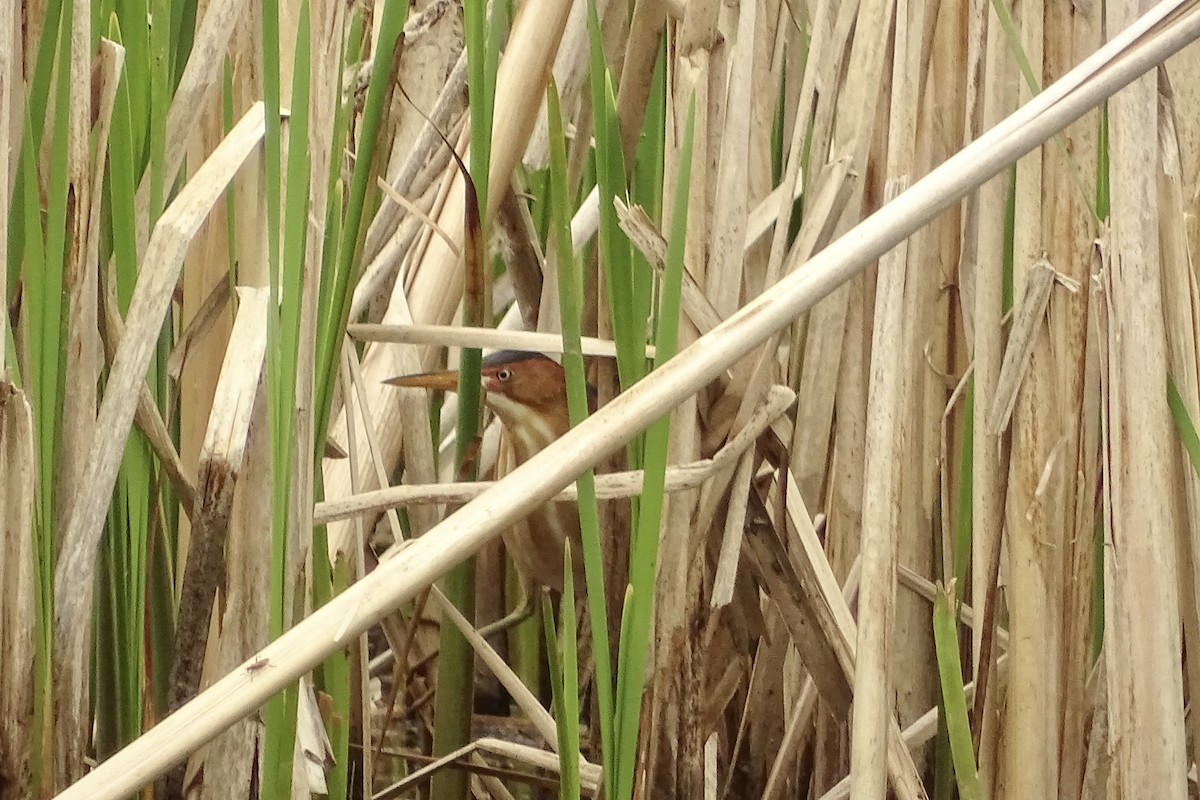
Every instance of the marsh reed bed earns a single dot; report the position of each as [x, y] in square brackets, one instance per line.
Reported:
[890, 307]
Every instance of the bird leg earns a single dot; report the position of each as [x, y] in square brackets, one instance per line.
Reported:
[522, 612]
[518, 615]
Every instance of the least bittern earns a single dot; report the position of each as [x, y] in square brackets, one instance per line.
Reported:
[528, 392]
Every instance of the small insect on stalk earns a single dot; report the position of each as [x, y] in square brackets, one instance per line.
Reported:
[257, 665]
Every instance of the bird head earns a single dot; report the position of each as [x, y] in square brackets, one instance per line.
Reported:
[526, 390]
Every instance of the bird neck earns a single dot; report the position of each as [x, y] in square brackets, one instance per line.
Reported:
[530, 429]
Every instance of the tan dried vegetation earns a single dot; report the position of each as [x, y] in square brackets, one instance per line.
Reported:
[984, 405]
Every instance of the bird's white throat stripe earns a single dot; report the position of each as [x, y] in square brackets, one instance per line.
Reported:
[531, 432]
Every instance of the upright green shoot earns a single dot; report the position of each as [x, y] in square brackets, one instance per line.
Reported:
[954, 700]
[616, 254]
[570, 294]
[40, 245]
[564, 681]
[963, 531]
[287, 205]
[456, 673]
[635, 623]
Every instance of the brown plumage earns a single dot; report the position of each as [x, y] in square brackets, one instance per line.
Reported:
[528, 392]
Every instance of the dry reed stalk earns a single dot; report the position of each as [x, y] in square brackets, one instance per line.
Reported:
[206, 263]
[489, 338]
[957, 41]
[419, 463]
[843, 504]
[222, 457]
[570, 76]
[1142, 620]
[982, 277]
[651, 243]
[852, 133]
[313, 751]
[1186, 99]
[1180, 313]
[914, 736]
[17, 470]
[646, 27]
[250, 222]
[772, 23]
[409, 238]
[197, 327]
[229, 760]
[434, 83]
[1186, 102]
[677, 653]
[1069, 231]
[802, 712]
[442, 107]
[829, 611]
[820, 352]
[810, 371]
[777, 206]
[206, 266]
[674, 745]
[417, 565]
[761, 727]
[743, 210]
[237, 228]
[937, 360]
[353, 564]
[918, 733]
[16, 473]
[919, 409]
[82, 356]
[590, 774]
[220, 468]
[1034, 569]
[885, 443]
[731, 201]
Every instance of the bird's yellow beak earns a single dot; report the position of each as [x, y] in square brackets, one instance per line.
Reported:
[436, 381]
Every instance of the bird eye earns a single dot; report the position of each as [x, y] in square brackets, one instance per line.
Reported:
[504, 374]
